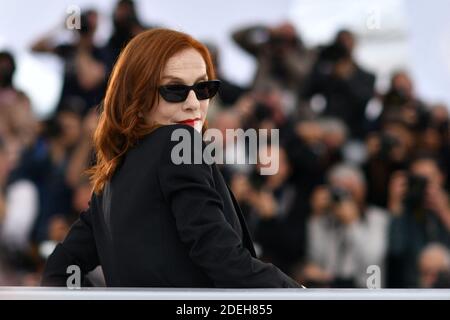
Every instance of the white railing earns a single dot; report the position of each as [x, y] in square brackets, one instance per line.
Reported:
[32, 293]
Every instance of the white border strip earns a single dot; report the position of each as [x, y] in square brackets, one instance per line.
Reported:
[36, 293]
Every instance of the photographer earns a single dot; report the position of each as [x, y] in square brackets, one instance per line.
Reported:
[345, 235]
[344, 85]
[275, 211]
[388, 150]
[420, 212]
[282, 58]
[126, 25]
[433, 137]
[313, 147]
[84, 64]
[401, 102]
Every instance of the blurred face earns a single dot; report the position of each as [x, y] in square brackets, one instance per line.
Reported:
[71, 126]
[334, 139]
[309, 131]
[402, 83]
[431, 140]
[123, 13]
[93, 21]
[430, 264]
[440, 114]
[352, 185]
[428, 170]
[405, 141]
[347, 40]
[186, 67]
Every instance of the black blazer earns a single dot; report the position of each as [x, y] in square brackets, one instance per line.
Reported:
[158, 224]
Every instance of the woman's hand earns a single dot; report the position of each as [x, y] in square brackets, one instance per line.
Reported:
[241, 187]
[264, 203]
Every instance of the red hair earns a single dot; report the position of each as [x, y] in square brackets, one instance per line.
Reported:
[132, 90]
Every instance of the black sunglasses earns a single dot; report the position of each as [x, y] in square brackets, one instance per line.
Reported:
[179, 92]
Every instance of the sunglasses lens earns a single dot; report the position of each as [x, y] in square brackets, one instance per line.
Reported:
[206, 89]
[179, 92]
[174, 93]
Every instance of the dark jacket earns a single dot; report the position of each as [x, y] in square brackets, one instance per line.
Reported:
[159, 224]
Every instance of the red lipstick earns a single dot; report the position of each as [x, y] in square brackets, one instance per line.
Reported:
[190, 122]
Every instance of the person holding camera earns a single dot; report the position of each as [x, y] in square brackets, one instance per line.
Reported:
[401, 102]
[282, 59]
[420, 210]
[343, 83]
[388, 151]
[345, 235]
[278, 216]
[84, 79]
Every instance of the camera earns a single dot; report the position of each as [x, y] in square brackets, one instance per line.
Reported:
[387, 143]
[415, 196]
[277, 40]
[334, 53]
[338, 194]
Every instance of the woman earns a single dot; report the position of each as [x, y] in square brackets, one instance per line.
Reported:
[152, 223]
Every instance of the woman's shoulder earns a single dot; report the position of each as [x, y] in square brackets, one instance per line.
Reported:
[170, 132]
[165, 138]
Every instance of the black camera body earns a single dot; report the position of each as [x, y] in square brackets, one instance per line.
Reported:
[415, 196]
[387, 143]
[334, 53]
[338, 194]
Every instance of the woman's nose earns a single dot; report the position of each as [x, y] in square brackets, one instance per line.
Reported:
[191, 101]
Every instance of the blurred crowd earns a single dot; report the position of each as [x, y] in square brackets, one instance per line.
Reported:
[354, 188]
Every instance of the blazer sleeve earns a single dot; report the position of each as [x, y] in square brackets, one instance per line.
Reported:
[78, 248]
[198, 211]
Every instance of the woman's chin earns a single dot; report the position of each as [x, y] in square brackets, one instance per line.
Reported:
[198, 126]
